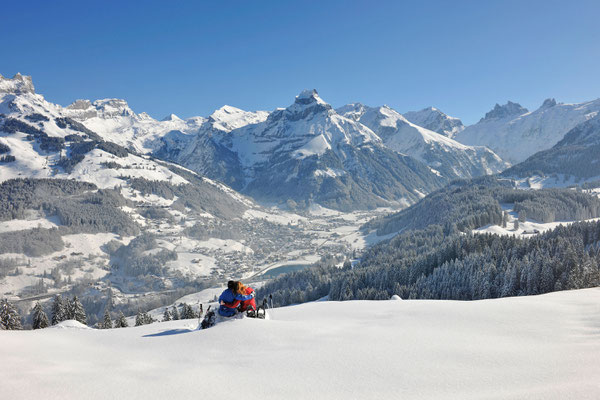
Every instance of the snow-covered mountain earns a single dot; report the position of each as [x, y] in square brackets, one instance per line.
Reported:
[202, 150]
[47, 141]
[91, 215]
[577, 155]
[515, 133]
[446, 156]
[79, 191]
[435, 120]
[306, 152]
[116, 122]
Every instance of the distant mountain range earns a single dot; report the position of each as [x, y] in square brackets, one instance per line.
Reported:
[306, 152]
[515, 133]
[353, 157]
[39, 139]
[447, 157]
[577, 155]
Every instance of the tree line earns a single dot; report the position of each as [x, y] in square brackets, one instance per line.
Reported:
[428, 264]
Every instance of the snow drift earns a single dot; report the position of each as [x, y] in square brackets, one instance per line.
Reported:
[539, 347]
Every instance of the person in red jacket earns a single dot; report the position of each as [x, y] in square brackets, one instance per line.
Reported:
[230, 300]
[245, 305]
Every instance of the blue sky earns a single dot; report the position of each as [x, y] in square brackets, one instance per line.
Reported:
[190, 58]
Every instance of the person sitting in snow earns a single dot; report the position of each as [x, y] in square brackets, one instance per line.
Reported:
[246, 305]
[230, 300]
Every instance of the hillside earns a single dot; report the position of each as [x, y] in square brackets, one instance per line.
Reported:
[537, 347]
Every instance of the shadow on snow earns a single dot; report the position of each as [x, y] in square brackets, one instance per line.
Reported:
[170, 332]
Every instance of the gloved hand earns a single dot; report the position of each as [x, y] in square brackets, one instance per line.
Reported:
[253, 294]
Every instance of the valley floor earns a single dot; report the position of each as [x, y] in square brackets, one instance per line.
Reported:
[539, 347]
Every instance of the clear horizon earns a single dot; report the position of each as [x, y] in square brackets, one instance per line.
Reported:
[191, 58]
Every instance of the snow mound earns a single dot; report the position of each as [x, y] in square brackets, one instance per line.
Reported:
[71, 324]
[396, 297]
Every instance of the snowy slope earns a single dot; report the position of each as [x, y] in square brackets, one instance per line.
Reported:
[435, 120]
[515, 133]
[539, 347]
[446, 156]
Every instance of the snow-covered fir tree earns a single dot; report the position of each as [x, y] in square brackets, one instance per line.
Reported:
[121, 322]
[106, 321]
[143, 318]
[175, 314]
[76, 311]
[139, 319]
[59, 310]
[166, 315]
[40, 319]
[9, 316]
[188, 312]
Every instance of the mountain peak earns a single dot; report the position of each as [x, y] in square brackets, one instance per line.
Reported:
[353, 111]
[170, 117]
[110, 108]
[80, 104]
[308, 96]
[306, 103]
[509, 109]
[548, 103]
[435, 120]
[18, 84]
[228, 118]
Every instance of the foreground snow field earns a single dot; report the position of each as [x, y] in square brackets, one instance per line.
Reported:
[539, 347]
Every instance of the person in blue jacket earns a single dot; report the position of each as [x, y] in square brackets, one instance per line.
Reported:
[230, 300]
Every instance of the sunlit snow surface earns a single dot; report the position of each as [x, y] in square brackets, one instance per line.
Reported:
[542, 347]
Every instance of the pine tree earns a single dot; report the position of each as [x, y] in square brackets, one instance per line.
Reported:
[76, 311]
[139, 319]
[516, 224]
[9, 316]
[175, 314]
[106, 322]
[143, 318]
[68, 309]
[59, 312]
[522, 216]
[188, 312]
[121, 322]
[147, 318]
[166, 315]
[504, 219]
[40, 319]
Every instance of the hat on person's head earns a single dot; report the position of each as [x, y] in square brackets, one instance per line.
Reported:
[231, 285]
